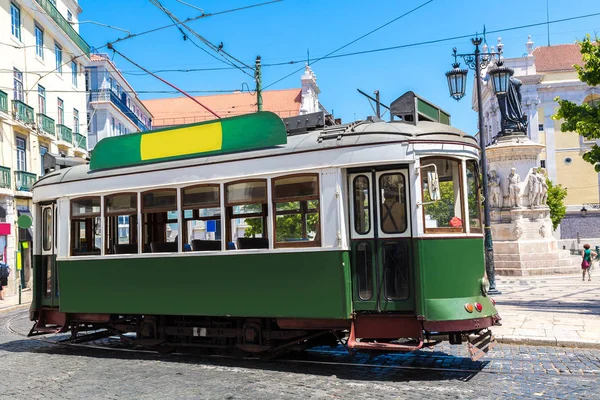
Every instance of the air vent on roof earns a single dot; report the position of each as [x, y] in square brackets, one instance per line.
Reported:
[304, 123]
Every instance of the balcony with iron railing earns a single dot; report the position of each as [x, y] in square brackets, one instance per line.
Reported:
[80, 141]
[24, 181]
[22, 112]
[107, 95]
[65, 134]
[3, 102]
[46, 124]
[51, 10]
[4, 178]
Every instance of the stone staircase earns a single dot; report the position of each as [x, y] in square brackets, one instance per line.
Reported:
[528, 264]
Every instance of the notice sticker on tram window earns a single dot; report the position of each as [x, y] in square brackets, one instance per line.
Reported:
[198, 331]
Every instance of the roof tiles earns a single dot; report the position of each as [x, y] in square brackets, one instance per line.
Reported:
[557, 58]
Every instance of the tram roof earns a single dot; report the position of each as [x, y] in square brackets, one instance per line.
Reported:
[360, 133]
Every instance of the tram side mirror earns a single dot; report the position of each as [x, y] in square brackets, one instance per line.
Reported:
[433, 185]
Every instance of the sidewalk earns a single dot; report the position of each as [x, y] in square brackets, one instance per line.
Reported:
[549, 310]
[11, 303]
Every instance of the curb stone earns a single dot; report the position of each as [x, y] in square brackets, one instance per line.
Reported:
[14, 308]
[545, 341]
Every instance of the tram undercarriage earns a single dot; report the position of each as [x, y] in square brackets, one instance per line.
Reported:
[269, 337]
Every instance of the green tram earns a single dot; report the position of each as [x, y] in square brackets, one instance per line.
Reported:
[244, 233]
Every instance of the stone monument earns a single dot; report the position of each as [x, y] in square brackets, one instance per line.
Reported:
[520, 219]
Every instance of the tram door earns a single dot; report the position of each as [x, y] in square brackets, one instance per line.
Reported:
[49, 281]
[382, 272]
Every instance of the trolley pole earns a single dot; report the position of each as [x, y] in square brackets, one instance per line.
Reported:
[378, 104]
[258, 78]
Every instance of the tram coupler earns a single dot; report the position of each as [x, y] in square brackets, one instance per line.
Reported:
[480, 344]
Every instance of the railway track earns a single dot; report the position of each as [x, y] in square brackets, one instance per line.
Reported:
[332, 358]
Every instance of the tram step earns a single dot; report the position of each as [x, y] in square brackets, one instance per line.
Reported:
[480, 345]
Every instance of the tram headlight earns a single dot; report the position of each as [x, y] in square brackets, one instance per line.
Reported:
[485, 286]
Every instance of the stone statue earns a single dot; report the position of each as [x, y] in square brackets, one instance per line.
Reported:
[495, 190]
[513, 120]
[535, 189]
[544, 190]
[513, 188]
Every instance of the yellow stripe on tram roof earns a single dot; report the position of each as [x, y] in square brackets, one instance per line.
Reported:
[183, 141]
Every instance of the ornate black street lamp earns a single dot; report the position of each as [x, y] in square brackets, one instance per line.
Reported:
[457, 79]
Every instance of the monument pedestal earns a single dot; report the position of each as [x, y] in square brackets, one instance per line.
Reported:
[521, 232]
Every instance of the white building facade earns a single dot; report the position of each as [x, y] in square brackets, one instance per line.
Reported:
[42, 109]
[114, 107]
[547, 72]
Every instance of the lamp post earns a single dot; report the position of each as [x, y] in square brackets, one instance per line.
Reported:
[457, 79]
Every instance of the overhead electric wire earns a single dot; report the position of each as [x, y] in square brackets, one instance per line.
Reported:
[354, 41]
[164, 81]
[402, 46]
[219, 50]
[130, 36]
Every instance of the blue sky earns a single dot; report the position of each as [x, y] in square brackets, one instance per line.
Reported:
[284, 31]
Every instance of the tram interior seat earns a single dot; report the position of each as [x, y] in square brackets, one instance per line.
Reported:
[125, 248]
[163, 247]
[206, 245]
[252, 243]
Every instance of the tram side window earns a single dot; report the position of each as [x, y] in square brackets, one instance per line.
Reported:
[446, 214]
[246, 208]
[159, 215]
[201, 218]
[393, 203]
[47, 229]
[296, 205]
[86, 235]
[474, 201]
[362, 210]
[121, 223]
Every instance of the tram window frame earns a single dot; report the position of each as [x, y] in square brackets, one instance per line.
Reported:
[459, 184]
[368, 207]
[477, 183]
[111, 218]
[47, 229]
[194, 207]
[162, 215]
[92, 227]
[303, 210]
[401, 200]
[231, 215]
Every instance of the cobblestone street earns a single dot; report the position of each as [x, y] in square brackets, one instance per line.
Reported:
[34, 369]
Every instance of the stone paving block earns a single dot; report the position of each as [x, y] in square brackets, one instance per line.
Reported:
[589, 335]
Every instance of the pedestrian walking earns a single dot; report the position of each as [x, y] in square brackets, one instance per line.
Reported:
[586, 262]
[4, 273]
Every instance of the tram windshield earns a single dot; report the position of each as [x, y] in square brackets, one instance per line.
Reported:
[446, 214]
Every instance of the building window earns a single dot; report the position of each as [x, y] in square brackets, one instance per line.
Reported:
[74, 73]
[69, 15]
[61, 112]
[15, 17]
[43, 150]
[113, 126]
[87, 80]
[21, 154]
[58, 54]
[41, 99]
[543, 163]
[568, 160]
[75, 120]
[88, 122]
[53, 2]
[540, 127]
[18, 85]
[39, 42]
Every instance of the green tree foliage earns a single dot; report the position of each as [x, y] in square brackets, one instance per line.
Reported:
[584, 119]
[443, 210]
[556, 202]
[288, 226]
